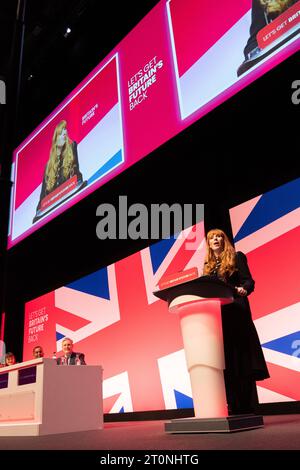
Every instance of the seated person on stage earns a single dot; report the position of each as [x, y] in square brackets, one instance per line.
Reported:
[38, 352]
[70, 357]
[10, 360]
[263, 12]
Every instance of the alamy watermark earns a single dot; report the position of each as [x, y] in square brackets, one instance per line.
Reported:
[2, 92]
[137, 221]
[296, 94]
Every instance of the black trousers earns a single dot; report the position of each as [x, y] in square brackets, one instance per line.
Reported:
[241, 394]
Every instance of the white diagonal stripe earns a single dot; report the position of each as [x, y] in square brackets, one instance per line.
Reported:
[280, 323]
[118, 384]
[281, 359]
[100, 312]
[268, 396]
[152, 279]
[269, 232]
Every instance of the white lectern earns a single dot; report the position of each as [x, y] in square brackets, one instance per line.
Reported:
[39, 397]
[198, 305]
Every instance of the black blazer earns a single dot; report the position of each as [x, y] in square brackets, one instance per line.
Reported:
[243, 352]
[72, 359]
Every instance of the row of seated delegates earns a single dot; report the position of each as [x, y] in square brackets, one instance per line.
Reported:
[69, 356]
[9, 360]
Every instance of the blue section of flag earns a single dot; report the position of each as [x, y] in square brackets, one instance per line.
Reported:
[107, 167]
[122, 410]
[59, 336]
[285, 344]
[94, 284]
[182, 400]
[159, 251]
[271, 206]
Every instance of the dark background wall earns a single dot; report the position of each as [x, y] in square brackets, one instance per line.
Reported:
[245, 147]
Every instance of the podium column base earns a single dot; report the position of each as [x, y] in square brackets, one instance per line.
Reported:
[229, 424]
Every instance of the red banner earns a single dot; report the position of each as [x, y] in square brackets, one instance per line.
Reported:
[59, 192]
[178, 278]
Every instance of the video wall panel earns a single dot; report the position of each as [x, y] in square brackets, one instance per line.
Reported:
[77, 147]
[218, 48]
[182, 60]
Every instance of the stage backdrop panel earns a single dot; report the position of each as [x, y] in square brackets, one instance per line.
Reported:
[267, 229]
[113, 317]
[176, 65]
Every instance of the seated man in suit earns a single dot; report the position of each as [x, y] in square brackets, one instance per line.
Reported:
[70, 357]
[37, 352]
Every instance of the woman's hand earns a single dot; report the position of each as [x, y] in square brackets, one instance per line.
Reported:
[241, 291]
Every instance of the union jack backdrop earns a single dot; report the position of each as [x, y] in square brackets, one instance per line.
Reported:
[267, 229]
[114, 318]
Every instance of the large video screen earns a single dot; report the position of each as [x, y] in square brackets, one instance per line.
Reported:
[267, 229]
[115, 320]
[75, 148]
[182, 60]
[219, 47]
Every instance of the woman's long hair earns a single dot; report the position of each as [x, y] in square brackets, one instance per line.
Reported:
[227, 257]
[67, 157]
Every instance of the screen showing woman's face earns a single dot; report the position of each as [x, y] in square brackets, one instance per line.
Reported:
[61, 139]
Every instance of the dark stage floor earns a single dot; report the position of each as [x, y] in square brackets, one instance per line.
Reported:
[280, 433]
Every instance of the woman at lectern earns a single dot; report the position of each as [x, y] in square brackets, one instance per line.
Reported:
[244, 359]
